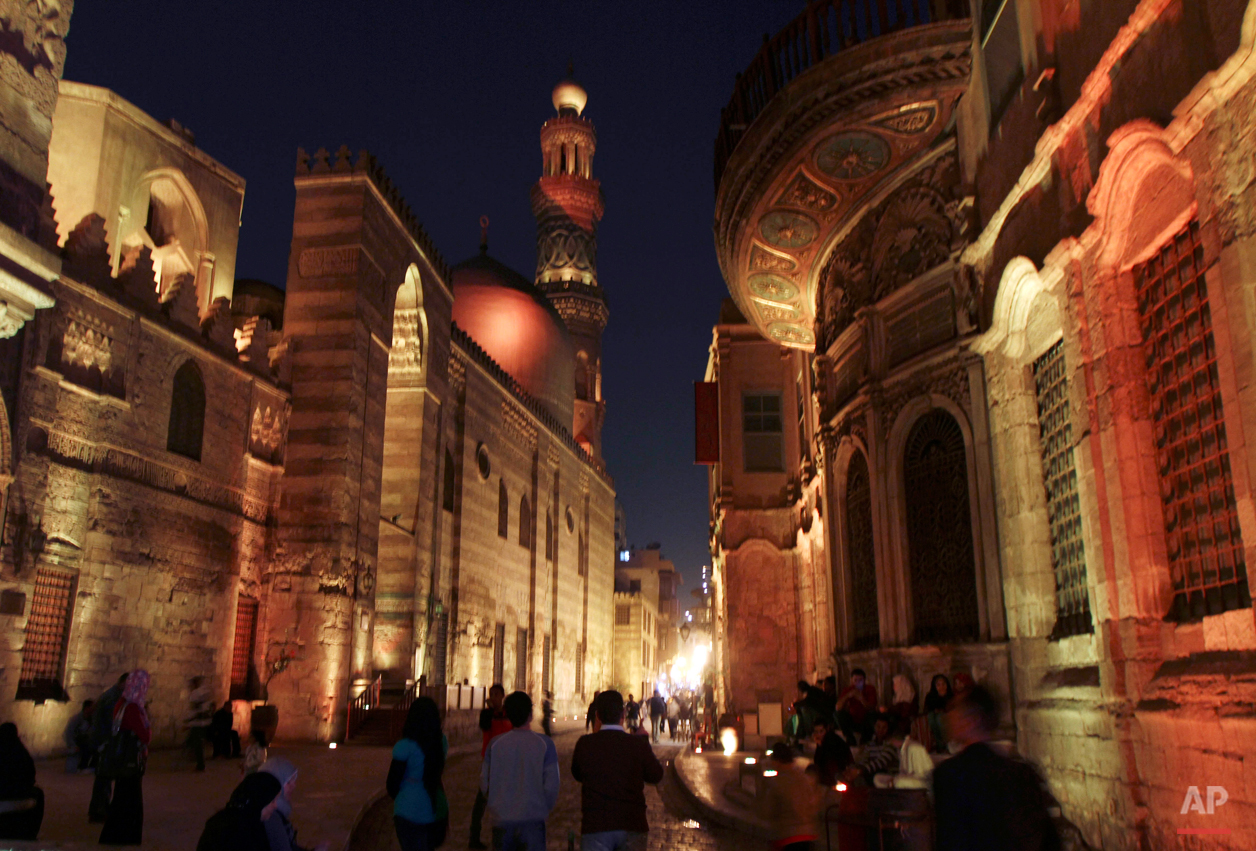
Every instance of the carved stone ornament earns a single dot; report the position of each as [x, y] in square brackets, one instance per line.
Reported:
[843, 290]
[10, 320]
[806, 193]
[912, 237]
[772, 288]
[405, 358]
[566, 248]
[267, 430]
[853, 155]
[949, 379]
[42, 26]
[792, 335]
[328, 262]
[762, 260]
[909, 121]
[788, 230]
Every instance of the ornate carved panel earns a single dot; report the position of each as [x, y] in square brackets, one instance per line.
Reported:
[405, 358]
[949, 379]
[83, 350]
[939, 532]
[266, 430]
[852, 155]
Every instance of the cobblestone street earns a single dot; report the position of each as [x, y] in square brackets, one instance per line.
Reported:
[674, 824]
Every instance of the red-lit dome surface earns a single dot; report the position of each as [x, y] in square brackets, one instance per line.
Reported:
[518, 327]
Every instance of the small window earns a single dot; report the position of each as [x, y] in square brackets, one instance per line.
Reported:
[503, 509]
[482, 462]
[447, 498]
[761, 432]
[525, 522]
[623, 615]
[521, 659]
[187, 413]
[549, 537]
[499, 653]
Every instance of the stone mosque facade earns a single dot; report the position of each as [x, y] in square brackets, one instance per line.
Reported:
[985, 379]
[391, 468]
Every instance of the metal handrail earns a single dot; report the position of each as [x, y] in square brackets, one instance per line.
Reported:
[825, 28]
[361, 705]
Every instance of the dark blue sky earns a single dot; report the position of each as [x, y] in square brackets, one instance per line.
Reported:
[450, 97]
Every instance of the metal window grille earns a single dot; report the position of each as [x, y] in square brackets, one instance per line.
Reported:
[1204, 543]
[521, 659]
[440, 647]
[939, 531]
[859, 549]
[47, 630]
[499, 653]
[525, 522]
[1059, 475]
[503, 510]
[242, 649]
[761, 432]
[580, 669]
[623, 615]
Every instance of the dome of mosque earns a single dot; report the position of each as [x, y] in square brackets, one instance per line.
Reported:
[519, 328]
[570, 95]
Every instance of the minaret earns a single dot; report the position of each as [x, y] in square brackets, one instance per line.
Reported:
[567, 203]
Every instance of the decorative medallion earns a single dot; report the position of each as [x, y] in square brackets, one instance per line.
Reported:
[806, 193]
[910, 120]
[788, 230]
[762, 260]
[852, 156]
[792, 335]
[772, 288]
[770, 311]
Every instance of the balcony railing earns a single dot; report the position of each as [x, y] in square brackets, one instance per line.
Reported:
[824, 29]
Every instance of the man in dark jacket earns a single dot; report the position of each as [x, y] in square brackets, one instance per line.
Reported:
[984, 800]
[102, 730]
[658, 712]
[493, 722]
[613, 768]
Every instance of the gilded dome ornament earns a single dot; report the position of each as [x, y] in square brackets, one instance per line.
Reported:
[772, 288]
[788, 230]
[793, 335]
[852, 156]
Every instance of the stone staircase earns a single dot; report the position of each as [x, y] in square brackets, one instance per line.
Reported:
[381, 723]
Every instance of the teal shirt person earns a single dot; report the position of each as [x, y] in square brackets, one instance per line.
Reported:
[413, 803]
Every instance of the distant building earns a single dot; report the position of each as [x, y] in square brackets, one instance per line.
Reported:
[647, 574]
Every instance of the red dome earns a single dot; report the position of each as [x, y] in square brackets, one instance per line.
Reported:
[518, 327]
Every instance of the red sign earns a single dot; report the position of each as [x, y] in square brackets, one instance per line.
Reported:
[706, 406]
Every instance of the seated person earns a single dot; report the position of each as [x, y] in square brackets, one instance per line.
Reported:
[833, 755]
[904, 706]
[937, 701]
[78, 739]
[878, 756]
[21, 801]
[915, 768]
[855, 707]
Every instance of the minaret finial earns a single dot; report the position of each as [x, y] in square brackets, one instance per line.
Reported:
[484, 234]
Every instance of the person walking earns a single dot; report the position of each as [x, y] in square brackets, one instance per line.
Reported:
[658, 711]
[124, 757]
[612, 768]
[21, 801]
[239, 825]
[78, 740]
[493, 723]
[547, 714]
[102, 729]
[199, 719]
[984, 801]
[519, 778]
[673, 715]
[632, 712]
[789, 802]
[222, 733]
[590, 715]
[420, 808]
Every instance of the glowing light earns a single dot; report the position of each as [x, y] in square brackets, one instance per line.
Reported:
[728, 738]
[691, 824]
[368, 707]
[771, 772]
[698, 749]
[841, 787]
[750, 760]
[331, 745]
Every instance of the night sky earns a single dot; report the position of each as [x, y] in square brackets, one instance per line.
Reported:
[450, 98]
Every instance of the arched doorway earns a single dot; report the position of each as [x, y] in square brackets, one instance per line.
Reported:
[865, 623]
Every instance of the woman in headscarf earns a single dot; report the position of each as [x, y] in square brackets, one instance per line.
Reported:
[280, 833]
[131, 734]
[904, 706]
[21, 801]
[936, 703]
[239, 826]
[420, 811]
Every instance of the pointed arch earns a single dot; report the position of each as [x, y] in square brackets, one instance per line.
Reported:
[525, 522]
[186, 431]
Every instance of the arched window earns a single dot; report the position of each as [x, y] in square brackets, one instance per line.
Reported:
[187, 412]
[503, 508]
[525, 522]
[447, 498]
[939, 531]
[582, 376]
[866, 628]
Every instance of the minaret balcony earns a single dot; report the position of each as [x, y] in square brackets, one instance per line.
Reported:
[830, 116]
